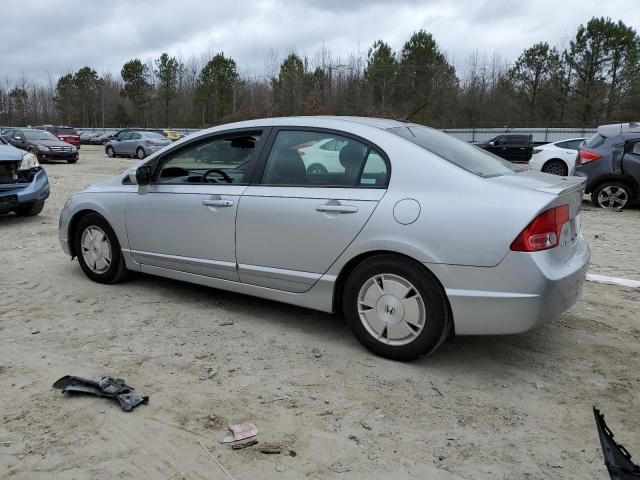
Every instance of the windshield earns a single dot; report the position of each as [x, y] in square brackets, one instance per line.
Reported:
[38, 135]
[466, 156]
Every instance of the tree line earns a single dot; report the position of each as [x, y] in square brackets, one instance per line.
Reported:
[594, 79]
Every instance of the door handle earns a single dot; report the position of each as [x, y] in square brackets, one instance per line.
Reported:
[337, 208]
[217, 203]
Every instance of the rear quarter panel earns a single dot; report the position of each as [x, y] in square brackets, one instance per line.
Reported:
[464, 219]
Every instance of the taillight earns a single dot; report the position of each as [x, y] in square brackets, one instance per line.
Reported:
[586, 156]
[536, 150]
[543, 232]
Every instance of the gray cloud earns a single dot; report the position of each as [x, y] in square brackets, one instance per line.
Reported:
[40, 37]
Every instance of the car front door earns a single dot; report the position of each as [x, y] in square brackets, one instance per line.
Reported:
[186, 220]
[293, 223]
[18, 140]
[497, 146]
[120, 144]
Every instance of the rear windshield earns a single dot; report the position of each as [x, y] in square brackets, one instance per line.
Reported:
[595, 141]
[65, 131]
[153, 135]
[466, 156]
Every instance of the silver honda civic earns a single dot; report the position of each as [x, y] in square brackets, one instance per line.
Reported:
[409, 233]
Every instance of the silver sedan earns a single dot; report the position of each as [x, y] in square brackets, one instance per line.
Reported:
[136, 144]
[412, 235]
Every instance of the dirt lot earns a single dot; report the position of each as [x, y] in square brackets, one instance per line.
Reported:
[485, 407]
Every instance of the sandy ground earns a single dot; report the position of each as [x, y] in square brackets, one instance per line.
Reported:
[480, 408]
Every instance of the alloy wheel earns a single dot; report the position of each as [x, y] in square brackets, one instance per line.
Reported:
[555, 168]
[613, 197]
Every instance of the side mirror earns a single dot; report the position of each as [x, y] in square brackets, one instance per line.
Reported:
[143, 175]
[491, 144]
[18, 138]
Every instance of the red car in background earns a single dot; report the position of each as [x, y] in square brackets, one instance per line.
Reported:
[66, 134]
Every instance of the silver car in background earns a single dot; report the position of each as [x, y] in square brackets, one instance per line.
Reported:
[415, 236]
[136, 144]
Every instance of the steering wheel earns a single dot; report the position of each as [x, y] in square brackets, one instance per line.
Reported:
[222, 173]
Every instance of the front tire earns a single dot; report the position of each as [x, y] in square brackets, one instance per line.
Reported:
[615, 195]
[72, 160]
[316, 168]
[396, 308]
[140, 153]
[111, 153]
[98, 250]
[556, 167]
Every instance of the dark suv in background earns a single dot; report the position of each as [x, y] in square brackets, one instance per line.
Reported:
[515, 147]
[610, 160]
[66, 134]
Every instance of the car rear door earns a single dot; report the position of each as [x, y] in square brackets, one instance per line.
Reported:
[631, 160]
[293, 224]
[518, 148]
[185, 220]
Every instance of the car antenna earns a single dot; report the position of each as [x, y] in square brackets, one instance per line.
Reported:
[406, 118]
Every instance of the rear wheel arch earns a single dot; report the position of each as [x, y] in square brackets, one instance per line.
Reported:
[629, 182]
[556, 160]
[338, 287]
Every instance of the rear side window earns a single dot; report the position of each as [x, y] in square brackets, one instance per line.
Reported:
[595, 141]
[302, 158]
[466, 156]
[65, 131]
[517, 139]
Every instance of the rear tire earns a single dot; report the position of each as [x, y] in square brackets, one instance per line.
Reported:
[140, 153]
[100, 241]
[556, 167]
[30, 210]
[614, 195]
[396, 308]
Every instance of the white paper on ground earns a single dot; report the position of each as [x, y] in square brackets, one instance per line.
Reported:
[621, 282]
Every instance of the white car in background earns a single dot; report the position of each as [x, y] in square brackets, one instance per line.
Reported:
[323, 156]
[557, 158]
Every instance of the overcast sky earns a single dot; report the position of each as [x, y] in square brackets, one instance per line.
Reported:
[43, 37]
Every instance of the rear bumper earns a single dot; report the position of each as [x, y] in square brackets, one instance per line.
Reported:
[524, 291]
[15, 196]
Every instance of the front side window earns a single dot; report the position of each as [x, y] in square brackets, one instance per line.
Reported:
[221, 160]
[302, 158]
[466, 156]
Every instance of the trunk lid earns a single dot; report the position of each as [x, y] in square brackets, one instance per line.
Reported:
[562, 191]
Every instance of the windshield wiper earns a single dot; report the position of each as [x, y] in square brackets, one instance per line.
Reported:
[616, 457]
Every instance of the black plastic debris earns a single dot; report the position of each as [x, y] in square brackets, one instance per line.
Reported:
[616, 457]
[108, 387]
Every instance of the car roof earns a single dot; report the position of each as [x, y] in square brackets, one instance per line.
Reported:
[320, 121]
[614, 129]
